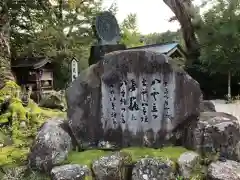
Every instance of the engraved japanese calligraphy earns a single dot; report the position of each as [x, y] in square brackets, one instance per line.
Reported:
[133, 101]
[143, 99]
[113, 104]
[123, 101]
[155, 97]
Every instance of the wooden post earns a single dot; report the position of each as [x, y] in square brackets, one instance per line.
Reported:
[38, 83]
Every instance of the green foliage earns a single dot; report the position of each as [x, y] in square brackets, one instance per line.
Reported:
[198, 171]
[60, 31]
[179, 178]
[171, 153]
[85, 157]
[11, 89]
[4, 139]
[220, 37]
[169, 36]
[130, 35]
[208, 158]
[13, 155]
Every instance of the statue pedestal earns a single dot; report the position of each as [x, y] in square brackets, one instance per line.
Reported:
[98, 51]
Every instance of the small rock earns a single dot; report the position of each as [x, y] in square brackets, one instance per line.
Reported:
[112, 167]
[15, 173]
[23, 124]
[105, 145]
[70, 172]
[207, 106]
[53, 100]
[153, 169]
[237, 150]
[228, 170]
[187, 163]
[51, 146]
[5, 140]
[5, 104]
[25, 100]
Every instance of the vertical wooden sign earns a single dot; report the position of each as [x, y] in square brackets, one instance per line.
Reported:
[74, 68]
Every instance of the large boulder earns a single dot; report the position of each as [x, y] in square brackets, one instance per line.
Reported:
[112, 167]
[51, 146]
[151, 168]
[227, 170]
[133, 97]
[217, 132]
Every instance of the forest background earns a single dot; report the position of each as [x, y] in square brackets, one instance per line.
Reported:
[62, 30]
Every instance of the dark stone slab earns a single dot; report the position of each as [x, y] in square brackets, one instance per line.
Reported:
[97, 51]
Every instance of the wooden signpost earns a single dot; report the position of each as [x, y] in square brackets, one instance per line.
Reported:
[74, 68]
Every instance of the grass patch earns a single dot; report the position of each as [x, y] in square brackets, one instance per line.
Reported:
[85, 157]
[170, 152]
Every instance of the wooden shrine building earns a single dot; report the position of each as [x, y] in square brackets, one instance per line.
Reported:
[171, 49]
[34, 74]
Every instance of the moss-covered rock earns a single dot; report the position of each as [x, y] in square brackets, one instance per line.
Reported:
[5, 139]
[10, 89]
[13, 155]
[153, 168]
[113, 166]
[19, 123]
[53, 100]
[190, 166]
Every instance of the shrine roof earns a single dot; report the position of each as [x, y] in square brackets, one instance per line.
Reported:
[163, 48]
[30, 62]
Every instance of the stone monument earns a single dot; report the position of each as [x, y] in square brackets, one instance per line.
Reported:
[131, 98]
[107, 33]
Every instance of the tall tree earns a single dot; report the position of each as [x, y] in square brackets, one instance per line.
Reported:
[220, 39]
[56, 29]
[165, 37]
[186, 14]
[130, 34]
[5, 67]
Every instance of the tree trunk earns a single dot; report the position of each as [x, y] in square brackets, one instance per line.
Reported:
[229, 86]
[184, 12]
[5, 60]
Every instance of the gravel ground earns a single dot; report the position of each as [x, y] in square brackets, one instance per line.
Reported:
[233, 109]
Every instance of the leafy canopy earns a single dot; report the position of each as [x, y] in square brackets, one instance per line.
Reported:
[220, 37]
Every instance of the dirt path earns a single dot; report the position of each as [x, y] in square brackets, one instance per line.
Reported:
[233, 109]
